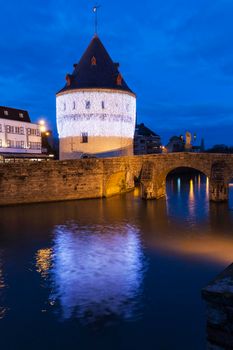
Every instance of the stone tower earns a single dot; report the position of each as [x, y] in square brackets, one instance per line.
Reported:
[96, 110]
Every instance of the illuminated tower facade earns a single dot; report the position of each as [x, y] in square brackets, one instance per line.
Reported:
[96, 110]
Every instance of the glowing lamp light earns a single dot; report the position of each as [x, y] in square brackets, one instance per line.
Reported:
[42, 128]
[42, 125]
[41, 122]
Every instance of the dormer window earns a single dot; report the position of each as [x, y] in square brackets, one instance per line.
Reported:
[6, 113]
[21, 115]
[93, 61]
[68, 80]
[119, 80]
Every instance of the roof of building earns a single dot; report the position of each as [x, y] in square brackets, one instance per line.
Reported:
[14, 114]
[142, 130]
[96, 70]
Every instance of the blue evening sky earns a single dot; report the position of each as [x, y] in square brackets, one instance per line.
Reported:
[176, 55]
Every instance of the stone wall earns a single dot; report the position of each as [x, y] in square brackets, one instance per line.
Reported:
[219, 300]
[30, 182]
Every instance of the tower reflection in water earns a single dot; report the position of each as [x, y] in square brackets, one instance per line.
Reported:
[96, 272]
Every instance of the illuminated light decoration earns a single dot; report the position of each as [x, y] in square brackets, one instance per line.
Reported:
[117, 120]
[96, 101]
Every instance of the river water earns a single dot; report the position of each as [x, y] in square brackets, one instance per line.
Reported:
[118, 273]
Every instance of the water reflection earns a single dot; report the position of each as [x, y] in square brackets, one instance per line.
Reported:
[188, 201]
[43, 261]
[3, 308]
[178, 186]
[97, 271]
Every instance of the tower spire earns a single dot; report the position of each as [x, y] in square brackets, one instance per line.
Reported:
[95, 10]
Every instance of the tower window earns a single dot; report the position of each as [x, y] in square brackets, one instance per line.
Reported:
[73, 104]
[93, 61]
[103, 105]
[68, 79]
[64, 106]
[88, 104]
[119, 80]
[84, 137]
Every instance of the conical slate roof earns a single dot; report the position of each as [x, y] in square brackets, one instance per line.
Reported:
[96, 70]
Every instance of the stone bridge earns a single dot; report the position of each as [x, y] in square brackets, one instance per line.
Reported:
[96, 178]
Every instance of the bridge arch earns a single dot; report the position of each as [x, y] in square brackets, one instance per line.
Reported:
[187, 178]
[154, 176]
[186, 169]
[118, 182]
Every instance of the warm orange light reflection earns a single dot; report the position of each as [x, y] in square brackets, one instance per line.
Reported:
[191, 190]
[207, 187]
[209, 248]
[136, 192]
[43, 261]
[199, 182]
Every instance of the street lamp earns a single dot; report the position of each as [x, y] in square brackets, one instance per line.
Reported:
[42, 126]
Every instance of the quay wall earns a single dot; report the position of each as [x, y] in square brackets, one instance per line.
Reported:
[33, 182]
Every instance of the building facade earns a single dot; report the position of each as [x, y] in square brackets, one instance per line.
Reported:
[96, 110]
[17, 134]
[146, 141]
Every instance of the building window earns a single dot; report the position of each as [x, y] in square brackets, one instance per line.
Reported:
[10, 143]
[17, 129]
[64, 106]
[6, 113]
[84, 137]
[22, 144]
[21, 130]
[74, 105]
[21, 115]
[103, 105]
[88, 104]
[0, 127]
[9, 129]
[0, 143]
[34, 145]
